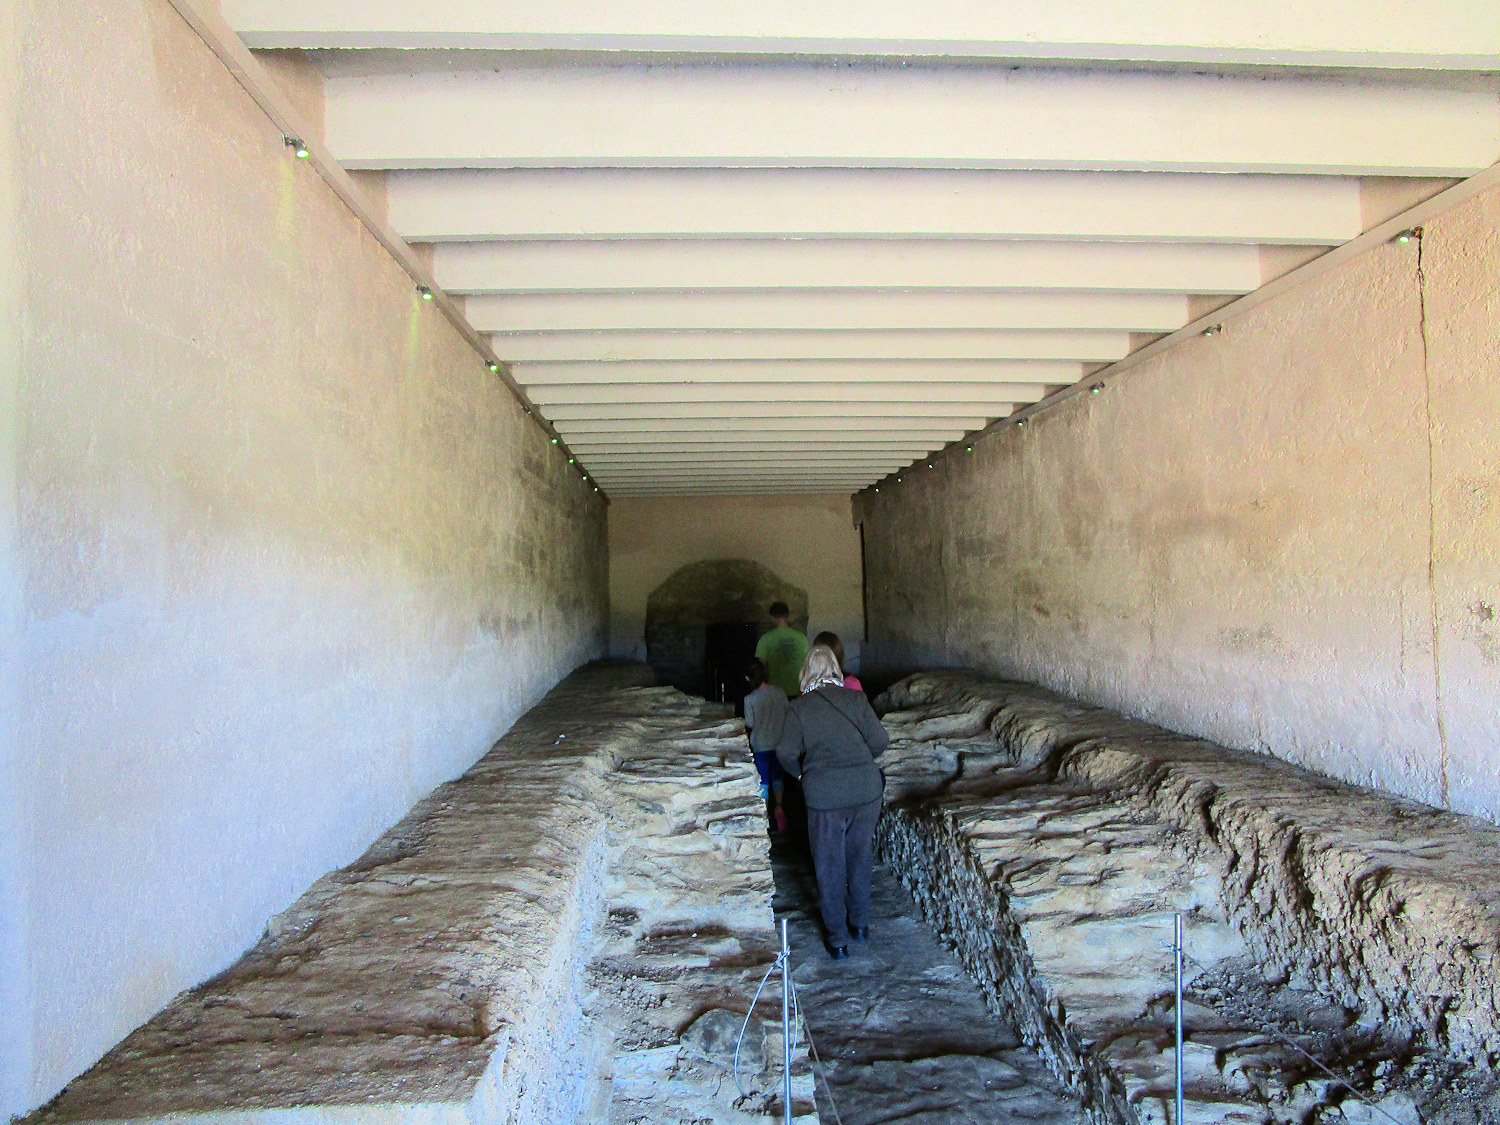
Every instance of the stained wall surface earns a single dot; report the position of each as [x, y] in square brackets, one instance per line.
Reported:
[287, 554]
[809, 540]
[1285, 538]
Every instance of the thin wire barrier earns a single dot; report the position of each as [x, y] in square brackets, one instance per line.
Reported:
[817, 1063]
[776, 964]
[1276, 1033]
[796, 1021]
[1177, 951]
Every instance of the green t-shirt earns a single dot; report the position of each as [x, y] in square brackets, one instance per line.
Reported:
[783, 651]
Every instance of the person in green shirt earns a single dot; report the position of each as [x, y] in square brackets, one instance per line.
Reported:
[783, 650]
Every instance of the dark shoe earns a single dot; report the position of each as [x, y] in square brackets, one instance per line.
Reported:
[861, 933]
[837, 952]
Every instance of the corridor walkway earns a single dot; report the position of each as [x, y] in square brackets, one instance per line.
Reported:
[904, 1034]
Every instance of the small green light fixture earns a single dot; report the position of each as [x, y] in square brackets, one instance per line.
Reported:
[425, 292]
[1410, 234]
[570, 460]
[299, 150]
[1096, 388]
[1213, 330]
[494, 367]
[554, 441]
[968, 449]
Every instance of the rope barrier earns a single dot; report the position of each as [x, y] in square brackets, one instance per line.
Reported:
[1272, 1030]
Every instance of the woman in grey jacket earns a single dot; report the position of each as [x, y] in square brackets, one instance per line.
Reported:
[830, 740]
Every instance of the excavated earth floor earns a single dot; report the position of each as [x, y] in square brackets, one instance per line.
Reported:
[903, 1033]
[574, 929]
[562, 934]
[1343, 944]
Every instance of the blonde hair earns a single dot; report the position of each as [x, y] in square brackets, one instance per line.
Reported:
[821, 668]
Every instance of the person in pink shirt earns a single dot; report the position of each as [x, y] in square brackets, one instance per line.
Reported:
[833, 642]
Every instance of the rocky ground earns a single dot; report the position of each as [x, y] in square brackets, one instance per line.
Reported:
[574, 929]
[559, 935]
[904, 1034]
[1327, 925]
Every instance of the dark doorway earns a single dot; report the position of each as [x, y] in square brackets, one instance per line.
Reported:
[729, 647]
[704, 614]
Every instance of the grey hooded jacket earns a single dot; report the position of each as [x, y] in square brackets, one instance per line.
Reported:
[831, 740]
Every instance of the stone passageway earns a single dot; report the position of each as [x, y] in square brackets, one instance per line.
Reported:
[574, 929]
[903, 1033]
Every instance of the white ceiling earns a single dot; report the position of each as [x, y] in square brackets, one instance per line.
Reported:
[794, 247]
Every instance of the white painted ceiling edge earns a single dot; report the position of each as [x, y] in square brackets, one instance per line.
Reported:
[676, 311]
[1400, 33]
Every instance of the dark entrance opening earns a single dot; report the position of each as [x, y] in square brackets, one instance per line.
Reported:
[702, 623]
[729, 647]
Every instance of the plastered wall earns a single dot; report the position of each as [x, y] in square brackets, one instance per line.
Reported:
[809, 540]
[1285, 538]
[286, 554]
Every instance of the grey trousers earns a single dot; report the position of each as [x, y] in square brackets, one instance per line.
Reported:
[840, 841]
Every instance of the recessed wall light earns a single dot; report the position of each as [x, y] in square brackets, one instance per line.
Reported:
[1410, 234]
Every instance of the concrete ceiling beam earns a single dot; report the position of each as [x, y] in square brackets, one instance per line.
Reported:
[601, 470]
[805, 428]
[733, 490]
[906, 117]
[877, 468]
[711, 447]
[792, 373]
[498, 267]
[550, 397]
[762, 310]
[573, 412]
[767, 484]
[766, 467]
[469, 205]
[1452, 34]
[613, 347]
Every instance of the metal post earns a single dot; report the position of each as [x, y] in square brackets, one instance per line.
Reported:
[1177, 950]
[786, 1026]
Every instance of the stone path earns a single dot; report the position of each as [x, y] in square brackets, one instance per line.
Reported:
[688, 935]
[904, 1033]
[457, 973]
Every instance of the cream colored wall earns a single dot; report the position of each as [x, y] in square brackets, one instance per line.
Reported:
[808, 540]
[1285, 537]
[291, 555]
[15, 1030]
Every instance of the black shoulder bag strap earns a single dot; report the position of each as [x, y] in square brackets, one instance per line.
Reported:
[840, 712]
[857, 731]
